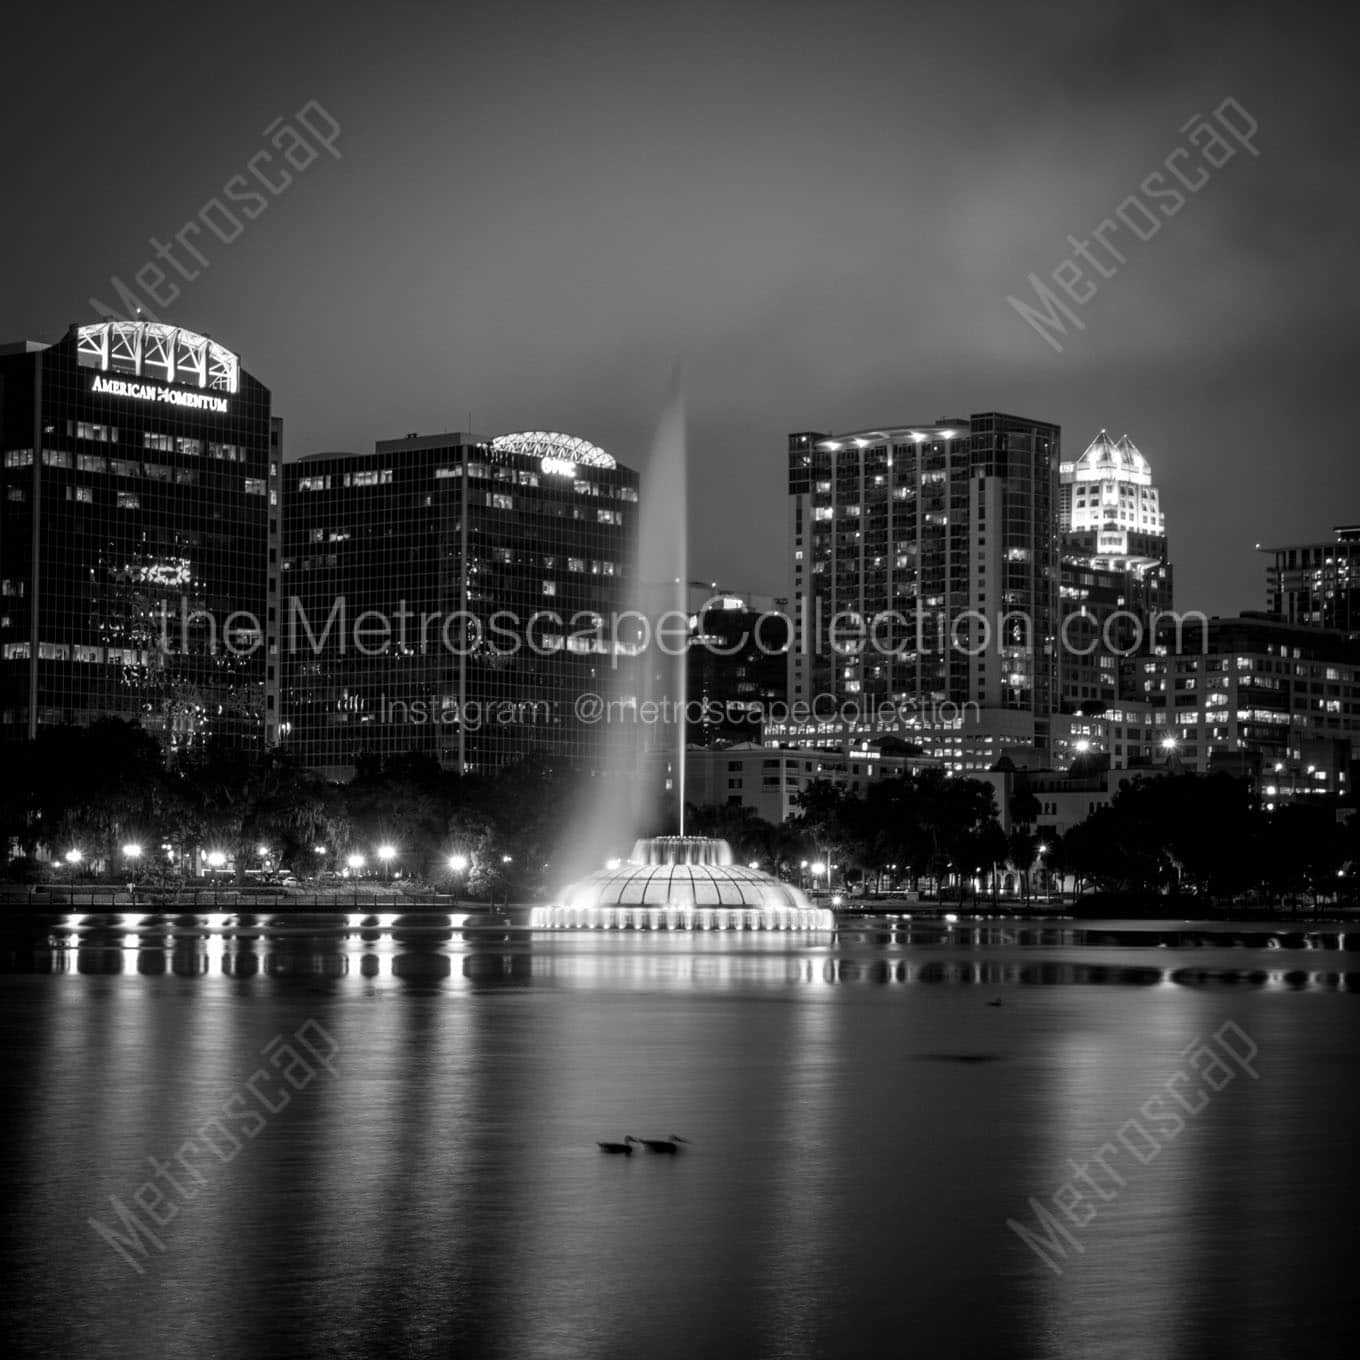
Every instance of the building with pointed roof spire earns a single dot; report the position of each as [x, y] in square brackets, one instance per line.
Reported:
[1111, 511]
[1114, 569]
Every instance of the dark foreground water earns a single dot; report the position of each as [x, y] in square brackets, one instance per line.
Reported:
[863, 1125]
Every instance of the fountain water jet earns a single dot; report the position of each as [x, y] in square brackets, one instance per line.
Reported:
[669, 882]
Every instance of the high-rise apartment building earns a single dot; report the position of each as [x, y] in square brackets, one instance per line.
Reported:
[465, 581]
[1317, 584]
[1287, 694]
[925, 568]
[140, 470]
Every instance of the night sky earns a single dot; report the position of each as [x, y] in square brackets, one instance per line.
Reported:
[819, 210]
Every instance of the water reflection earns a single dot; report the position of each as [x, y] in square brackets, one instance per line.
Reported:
[861, 1126]
[438, 951]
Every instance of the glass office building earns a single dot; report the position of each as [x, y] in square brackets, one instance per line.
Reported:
[140, 467]
[453, 596]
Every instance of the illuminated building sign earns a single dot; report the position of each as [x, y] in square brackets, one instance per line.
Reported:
[558, 467]
[145, 391]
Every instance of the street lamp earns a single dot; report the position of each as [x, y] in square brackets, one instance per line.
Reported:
[387, 853]
[132, 850]
[458, 863]
[355, 861]
[1169, 743]
[216, 859]
[73, 856]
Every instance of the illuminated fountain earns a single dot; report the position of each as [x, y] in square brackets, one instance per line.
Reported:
[668, 882]
[681, 883]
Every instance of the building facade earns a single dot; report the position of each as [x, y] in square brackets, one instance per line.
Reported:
[471, 582]
[1115, 576]
[737, 663]
[141, 468]
[1317, 584]
[768, 780]
[1287, 697]
[925, 566]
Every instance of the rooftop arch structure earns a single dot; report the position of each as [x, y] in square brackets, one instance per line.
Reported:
[549, 444]
[151, 349]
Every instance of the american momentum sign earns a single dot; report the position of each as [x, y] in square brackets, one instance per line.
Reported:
[198, 401]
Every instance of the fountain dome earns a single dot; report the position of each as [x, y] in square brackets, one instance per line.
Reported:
[682, 883]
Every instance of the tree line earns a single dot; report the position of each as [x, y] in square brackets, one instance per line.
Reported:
[99, 789]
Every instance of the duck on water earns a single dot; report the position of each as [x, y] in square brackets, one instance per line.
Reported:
[662, 1145]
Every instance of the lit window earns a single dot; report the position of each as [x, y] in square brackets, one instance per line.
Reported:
[369, 477]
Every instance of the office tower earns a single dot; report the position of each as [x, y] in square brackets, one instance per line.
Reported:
[925, 570]
[737, 663]
[1317, 584]
[140, 483]
[467, 580]
[1115, 576]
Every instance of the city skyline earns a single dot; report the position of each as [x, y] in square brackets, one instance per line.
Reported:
[679, 680]
[831, 260]
[773, 577]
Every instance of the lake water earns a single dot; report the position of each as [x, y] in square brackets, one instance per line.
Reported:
[863, 1123]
